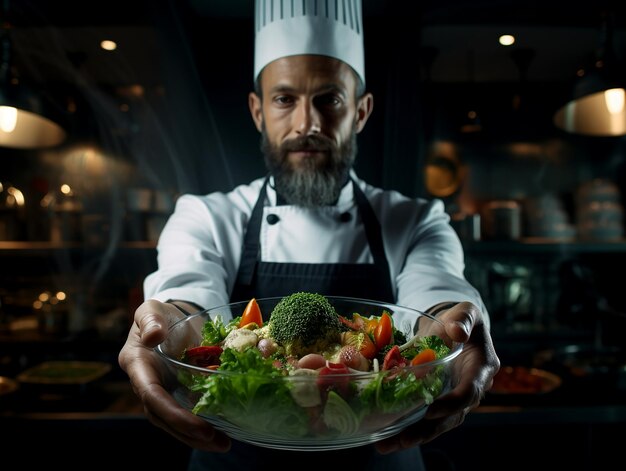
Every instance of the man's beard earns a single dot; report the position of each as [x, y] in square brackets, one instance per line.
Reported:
[313, 182]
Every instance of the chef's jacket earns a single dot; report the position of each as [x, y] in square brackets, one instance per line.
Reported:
[200, 247]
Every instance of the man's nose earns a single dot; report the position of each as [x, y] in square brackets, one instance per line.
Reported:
[307, 119]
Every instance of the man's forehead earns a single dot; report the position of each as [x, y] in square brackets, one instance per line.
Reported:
[321, 71]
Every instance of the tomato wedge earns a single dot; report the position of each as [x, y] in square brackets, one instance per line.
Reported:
[203, 356]
[328, 380]
[361, 341]
[393, 358]
[384, 331]
[252, 313]
[425, 356]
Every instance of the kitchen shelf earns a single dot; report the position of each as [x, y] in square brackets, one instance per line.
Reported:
[537, 245]
[28, 248]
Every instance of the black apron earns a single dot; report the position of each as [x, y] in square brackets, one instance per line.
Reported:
[266, 279]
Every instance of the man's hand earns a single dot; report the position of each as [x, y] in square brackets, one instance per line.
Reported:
[144, 368]
[472, 376]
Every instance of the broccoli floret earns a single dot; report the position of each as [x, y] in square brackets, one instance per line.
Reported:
[303, 323]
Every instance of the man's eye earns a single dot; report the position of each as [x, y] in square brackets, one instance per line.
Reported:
[328, 100]
[283, 100]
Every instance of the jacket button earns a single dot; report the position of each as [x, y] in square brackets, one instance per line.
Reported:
[272, 219]
[345, 217]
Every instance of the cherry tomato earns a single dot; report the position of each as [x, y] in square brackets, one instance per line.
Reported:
[252, 313]
[384, 331]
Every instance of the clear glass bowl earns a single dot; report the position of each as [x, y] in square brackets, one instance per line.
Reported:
[297, 411]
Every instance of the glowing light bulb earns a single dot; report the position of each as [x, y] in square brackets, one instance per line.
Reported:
[506, 39]
[108, 45]
[614, 99]
[8, 118]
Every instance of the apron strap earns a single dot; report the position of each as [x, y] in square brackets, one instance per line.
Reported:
[374, 234]
[251, 241]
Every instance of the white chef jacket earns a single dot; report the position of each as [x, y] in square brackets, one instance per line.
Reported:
[200, 247]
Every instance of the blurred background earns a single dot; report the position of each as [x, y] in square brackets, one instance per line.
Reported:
[129, 104]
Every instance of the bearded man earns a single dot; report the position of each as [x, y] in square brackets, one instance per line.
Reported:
[311, 225]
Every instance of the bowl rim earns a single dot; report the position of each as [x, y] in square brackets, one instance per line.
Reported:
[455, 351]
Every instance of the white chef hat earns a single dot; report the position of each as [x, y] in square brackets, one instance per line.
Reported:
[326, 27]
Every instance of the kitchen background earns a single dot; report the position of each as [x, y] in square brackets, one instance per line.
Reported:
[457, 116]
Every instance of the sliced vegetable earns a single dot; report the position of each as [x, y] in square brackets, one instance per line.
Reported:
[251, 314]
[425, 356]
[361, 341]
[203, 356]
[393, 358]
[384, 331]
[332, 377]
[339, 415]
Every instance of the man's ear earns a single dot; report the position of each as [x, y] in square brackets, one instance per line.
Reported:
[256, 110]
[363, 110]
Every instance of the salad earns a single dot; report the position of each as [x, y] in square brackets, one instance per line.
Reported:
[310, 371]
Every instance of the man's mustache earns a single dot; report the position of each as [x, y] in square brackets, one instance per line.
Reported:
[307, 143]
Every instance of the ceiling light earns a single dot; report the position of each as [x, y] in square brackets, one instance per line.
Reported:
[108, 45]
[597, 104]
[506, 39]
[23, 124]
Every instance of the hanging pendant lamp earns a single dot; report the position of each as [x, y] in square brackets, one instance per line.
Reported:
[23, 120]
[598, 106]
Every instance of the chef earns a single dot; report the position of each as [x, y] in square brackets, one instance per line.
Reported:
[310, 224]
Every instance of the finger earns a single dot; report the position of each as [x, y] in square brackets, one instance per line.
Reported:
[153, 318]
[166, 414]
[460, 320]
[420, 433]
[472, 372]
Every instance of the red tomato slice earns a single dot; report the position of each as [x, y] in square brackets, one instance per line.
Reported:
[393, 358]
[328, 378]
[203, 356]
[252, 313]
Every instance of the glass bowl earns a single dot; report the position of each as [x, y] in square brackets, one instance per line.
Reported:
[322, 407]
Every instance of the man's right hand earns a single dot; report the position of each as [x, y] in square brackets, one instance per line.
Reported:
[144, 368]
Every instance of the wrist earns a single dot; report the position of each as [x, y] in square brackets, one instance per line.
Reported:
[184, 307]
